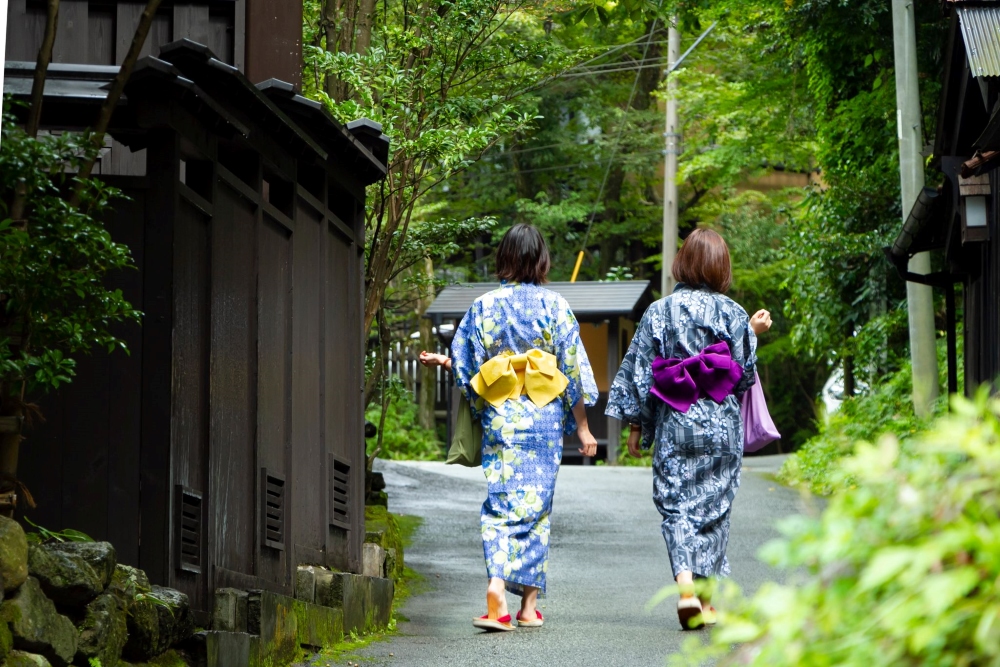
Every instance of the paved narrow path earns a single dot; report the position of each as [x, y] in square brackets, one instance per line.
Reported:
[607, 559]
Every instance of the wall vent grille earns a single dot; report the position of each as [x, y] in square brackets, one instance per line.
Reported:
[188, 532]
[272, 509]
[340, 493]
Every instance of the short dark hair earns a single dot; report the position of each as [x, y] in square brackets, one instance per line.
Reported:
[522, 256]
[704, 260]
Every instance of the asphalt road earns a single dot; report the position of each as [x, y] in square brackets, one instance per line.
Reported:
[607, 559]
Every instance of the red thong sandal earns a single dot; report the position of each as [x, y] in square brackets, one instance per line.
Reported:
[524, 623]
[501, 624]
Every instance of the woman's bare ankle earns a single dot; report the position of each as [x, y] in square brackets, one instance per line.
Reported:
[496, 598]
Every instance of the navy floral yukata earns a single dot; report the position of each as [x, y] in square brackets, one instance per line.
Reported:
[697, 454]
[522, 443]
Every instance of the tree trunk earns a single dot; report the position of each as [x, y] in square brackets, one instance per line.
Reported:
[428, 376]
[42, 68]
[849, 382]
[334, 23]
[114, 94]
[37, 98]
[363, 29]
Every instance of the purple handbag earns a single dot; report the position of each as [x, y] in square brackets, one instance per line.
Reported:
[758, 427]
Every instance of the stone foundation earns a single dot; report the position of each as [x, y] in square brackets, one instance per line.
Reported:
[67, 603]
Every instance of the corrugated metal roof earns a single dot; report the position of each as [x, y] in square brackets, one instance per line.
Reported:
[589, 300]
[981, 33]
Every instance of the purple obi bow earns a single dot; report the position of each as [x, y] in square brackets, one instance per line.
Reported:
[681, 382]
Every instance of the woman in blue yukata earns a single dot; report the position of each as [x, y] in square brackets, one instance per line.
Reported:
[518, 358]
[679, 387]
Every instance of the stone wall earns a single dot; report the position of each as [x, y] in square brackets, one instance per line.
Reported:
[66, 603]
[69, 602]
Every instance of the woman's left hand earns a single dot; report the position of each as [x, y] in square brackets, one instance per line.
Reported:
[588, 441]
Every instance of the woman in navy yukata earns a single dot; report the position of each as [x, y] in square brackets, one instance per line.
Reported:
[679, 387]
[518, 358]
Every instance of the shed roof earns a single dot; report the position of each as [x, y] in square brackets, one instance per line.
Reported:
[980, 27]
[590, 301]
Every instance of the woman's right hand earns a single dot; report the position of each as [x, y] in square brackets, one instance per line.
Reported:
[761, 321]
[432, 359]
[633, 442]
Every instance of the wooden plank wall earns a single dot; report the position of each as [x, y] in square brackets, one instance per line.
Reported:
[233, 470]
[274, 390]
[100, 33]
[190, 426]
[248, 359]
[309, 464]
[274, 41]
[982, 303]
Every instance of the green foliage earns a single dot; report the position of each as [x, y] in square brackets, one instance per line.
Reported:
[54, 302]
[402, 436]
[551, 174]
[446, 82]
[901, 568]
[40, 535]
[134, 585]
[756, 227]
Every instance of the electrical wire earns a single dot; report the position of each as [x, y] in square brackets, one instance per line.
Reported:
[623, 68]
[616, 49]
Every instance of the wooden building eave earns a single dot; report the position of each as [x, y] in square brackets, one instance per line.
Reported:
[189, 74]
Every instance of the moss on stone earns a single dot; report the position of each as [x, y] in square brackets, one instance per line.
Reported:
[382, 527]
[317, 626]
[8, 615]
[13, 555]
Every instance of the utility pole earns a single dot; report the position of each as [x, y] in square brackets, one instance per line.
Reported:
[3, 40]
[671, 150]
[919, 298]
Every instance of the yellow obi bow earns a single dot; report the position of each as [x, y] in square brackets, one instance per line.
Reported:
[535, 373]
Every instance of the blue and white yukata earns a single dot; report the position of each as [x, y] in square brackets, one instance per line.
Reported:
[697, 454]
[522, 443]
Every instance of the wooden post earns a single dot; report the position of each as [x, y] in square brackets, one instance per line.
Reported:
[919, 298]
[614, 358]
[671, 150]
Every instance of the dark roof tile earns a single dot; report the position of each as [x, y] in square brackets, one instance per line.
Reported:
[590, 301]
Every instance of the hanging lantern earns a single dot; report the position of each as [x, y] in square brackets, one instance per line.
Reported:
[975, 196]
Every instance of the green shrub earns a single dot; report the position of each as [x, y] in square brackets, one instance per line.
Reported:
[901, 568]
[886, 408]
[402, 436]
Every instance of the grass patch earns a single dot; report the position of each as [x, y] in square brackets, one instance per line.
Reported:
[408, 524]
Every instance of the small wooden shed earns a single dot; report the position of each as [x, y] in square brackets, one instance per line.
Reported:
[228, 447]
[607, 313]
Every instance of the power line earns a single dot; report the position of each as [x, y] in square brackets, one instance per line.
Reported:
[623, 68]
[615, 49]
